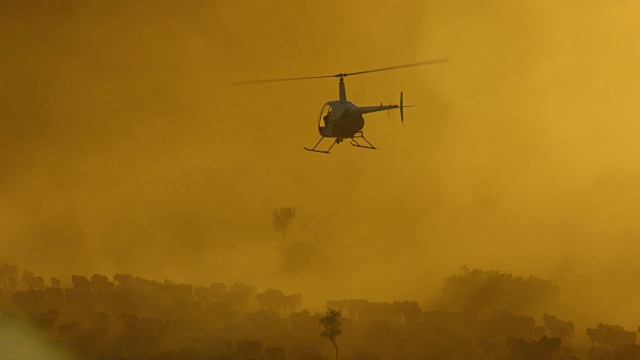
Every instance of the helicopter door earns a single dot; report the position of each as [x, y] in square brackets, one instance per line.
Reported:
[323, 120]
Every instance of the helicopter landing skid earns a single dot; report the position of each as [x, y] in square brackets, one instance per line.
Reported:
[337, 141]
[354, 142]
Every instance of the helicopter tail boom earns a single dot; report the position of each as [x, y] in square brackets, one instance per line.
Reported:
[360, 110]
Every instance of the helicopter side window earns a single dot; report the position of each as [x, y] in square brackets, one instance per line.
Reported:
[326, 117]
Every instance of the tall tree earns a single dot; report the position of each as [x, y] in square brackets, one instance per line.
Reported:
[282, 218]
[331, 323]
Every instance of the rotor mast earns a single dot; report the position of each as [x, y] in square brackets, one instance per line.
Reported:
[342, 90]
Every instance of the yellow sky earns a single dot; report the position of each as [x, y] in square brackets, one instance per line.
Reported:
[125, 147]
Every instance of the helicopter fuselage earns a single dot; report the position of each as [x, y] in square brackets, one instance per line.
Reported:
[338, 120]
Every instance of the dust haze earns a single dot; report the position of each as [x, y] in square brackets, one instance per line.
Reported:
[125, 148]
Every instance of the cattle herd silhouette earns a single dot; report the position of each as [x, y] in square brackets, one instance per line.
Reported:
[129, 317]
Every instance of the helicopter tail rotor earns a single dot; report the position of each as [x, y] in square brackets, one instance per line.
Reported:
[401, 109]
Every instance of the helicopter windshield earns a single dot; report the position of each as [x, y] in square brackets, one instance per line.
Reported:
[325, 113]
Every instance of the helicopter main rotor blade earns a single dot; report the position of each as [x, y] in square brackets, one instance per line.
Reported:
[342, 75]
[422, 63]
[280, 80]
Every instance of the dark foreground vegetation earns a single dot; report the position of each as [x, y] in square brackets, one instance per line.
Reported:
[484, 315]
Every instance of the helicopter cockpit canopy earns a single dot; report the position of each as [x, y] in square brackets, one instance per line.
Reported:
[325, 114]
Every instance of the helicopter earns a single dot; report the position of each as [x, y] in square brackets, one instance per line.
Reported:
[342, 119]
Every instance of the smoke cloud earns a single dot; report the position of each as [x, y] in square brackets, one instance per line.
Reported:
[124, 146]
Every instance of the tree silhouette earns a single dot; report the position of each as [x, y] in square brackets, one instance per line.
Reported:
[482, 291]
[282, 218]
[331, 322]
